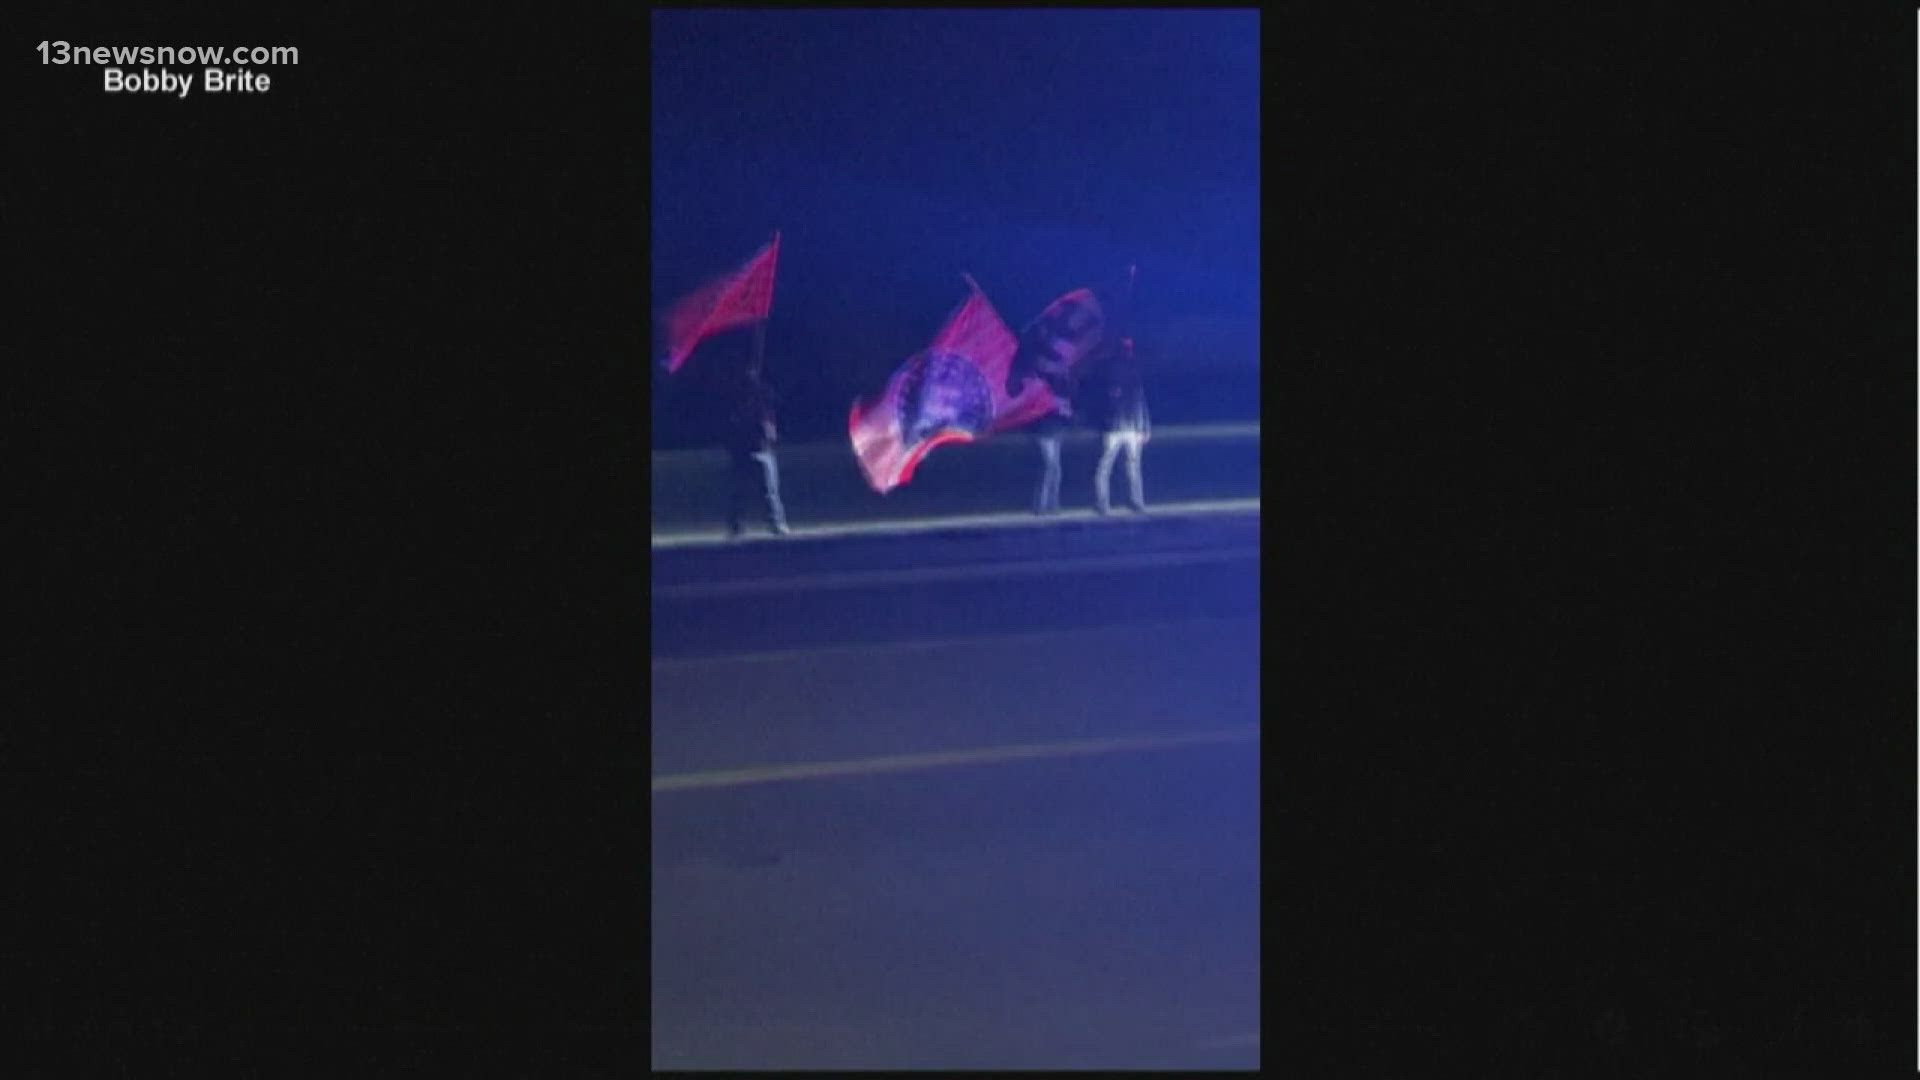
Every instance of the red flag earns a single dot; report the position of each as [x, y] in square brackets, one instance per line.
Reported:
[953, 391]
[742, 297]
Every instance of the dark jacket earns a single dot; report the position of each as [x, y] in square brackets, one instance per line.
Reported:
[1063, 417]
[749, 425]
[1126, 407]
[1051, 426]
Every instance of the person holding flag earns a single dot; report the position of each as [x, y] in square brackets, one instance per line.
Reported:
[748, 429]
[752, 469]
[1124, 424]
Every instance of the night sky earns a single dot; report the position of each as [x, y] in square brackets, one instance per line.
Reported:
[1038, 150]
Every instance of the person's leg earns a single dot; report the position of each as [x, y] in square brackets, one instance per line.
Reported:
[770, 486]
[1048, 499]
[1136, 488]
[1053, 477]
[1103, 474]
[736, 490]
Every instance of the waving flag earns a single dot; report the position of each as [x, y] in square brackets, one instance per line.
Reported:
[742, 297]
[952, 391]
[1057, 342]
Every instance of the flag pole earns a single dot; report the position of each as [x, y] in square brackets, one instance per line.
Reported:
[1126, 306]
[760, 326]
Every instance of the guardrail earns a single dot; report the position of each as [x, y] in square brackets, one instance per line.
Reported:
[821, 483]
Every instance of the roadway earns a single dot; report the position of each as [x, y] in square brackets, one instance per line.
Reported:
[958, 794]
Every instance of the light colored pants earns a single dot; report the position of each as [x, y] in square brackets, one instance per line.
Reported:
[751, 471]
[1133, 441]
[1047, 499]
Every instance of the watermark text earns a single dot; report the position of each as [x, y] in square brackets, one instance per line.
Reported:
[61, 52]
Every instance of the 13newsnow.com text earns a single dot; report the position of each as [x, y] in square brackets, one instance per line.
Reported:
[61, 52]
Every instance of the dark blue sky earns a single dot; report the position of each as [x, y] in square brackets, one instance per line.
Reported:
[1039, 150]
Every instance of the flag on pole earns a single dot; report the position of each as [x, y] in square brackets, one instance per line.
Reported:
[952, 391]
[735, 299]
[1056, 344]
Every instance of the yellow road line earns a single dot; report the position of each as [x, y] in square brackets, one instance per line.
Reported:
[1247, 1038]
[764, 774]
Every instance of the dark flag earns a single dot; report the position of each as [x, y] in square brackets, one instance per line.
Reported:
[952, 391]
[1056, 344]
[735, 299]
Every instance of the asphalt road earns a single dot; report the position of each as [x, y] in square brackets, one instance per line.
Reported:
[1010, 821]
[886, 587]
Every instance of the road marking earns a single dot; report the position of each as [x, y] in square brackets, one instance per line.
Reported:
[1250, 1038]
[1162, 512]
[764, 774]
[910, 575]
[952, 640]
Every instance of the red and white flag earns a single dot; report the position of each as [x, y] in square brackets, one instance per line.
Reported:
[952, 391]
[736, 299]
